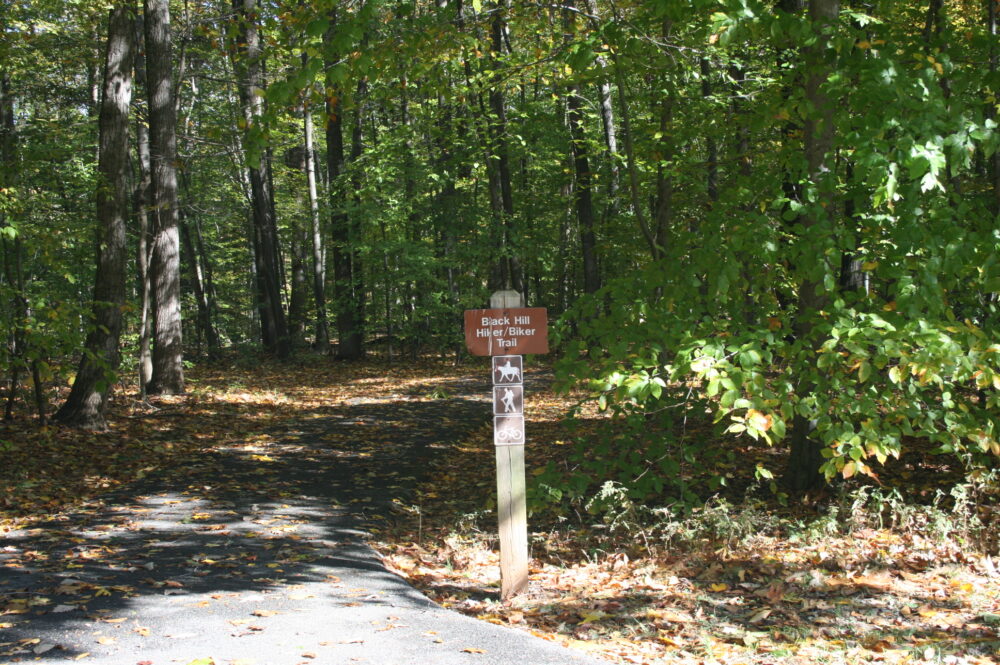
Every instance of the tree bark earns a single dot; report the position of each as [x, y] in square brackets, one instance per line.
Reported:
[248, 66]
[343, 229]
[168, 347]
[87, 401]
[805, 458]
[610, 128]
[711, 145]
[8, 168]
[507, 273]
[582, 193]
[299, 296]
[197, 277]
[664, 208]
[638, 209]
[142, 206]
[993, 8]
[322, 339]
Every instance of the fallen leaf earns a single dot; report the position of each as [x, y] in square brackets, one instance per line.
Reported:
[593, 615]
[473, 650]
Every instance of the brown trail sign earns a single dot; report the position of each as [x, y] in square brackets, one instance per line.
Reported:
[517, 330]
[505, 333]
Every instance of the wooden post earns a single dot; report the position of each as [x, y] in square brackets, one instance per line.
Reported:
[508, 439]
[512, 512]
[504, 332]
[513, 519]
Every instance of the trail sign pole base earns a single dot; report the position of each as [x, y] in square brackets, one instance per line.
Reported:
[513, 518]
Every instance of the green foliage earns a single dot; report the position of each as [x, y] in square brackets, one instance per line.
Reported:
[908, 352]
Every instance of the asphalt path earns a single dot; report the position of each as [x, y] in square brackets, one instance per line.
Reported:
[255, 555]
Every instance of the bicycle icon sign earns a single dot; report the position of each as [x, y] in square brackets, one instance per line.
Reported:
[508, 430]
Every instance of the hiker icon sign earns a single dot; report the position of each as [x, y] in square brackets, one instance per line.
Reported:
[508, 400]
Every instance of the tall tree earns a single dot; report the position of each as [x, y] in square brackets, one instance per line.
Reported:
[165, 268]
[322, 335]
[248, 64]
[142, 208]
[993, 9]
[87, 401]
[583, 182]
[805, 458]
[507, 271]
[344, 226]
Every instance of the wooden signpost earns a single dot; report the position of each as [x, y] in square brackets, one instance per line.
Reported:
[505, 332]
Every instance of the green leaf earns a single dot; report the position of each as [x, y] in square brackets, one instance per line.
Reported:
[318, 27]
[864, 371]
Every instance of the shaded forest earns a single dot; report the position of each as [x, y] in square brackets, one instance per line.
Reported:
[780, 217]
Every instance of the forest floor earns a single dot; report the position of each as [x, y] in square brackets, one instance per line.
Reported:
[744, 580]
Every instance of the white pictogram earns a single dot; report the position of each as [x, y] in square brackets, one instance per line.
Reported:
[508, 400]
[510, 435]
[508, 372]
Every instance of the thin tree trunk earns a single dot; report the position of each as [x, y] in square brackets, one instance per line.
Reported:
[609, 126]
[509, 269]
[14, 262]
[583, 178]
[993, 7]
[322, 341]
[248, 66]
[349, 333]
[87, 401]
[205, 323]
[711, 146]
[168, 347]
[299, 296]
[805, 458]
[664, 207]
[8, 169]
[141, 204]
[638, 209]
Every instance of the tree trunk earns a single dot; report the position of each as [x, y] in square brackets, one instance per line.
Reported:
[583, 178]
[630, 164]
[664, 209]
[507, 274]
[342, 229]
[248, 66]
[205, 323]
[609, 126]
[168, 348]
[141, 204]
[805, 457]
[993, 7]
[299, 297]
[8, 169]
[85, 406]
[711, 146]
[322, 340]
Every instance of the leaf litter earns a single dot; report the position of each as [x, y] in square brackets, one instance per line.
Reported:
[871, 595]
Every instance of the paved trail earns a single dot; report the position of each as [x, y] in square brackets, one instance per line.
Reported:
[253, 556]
